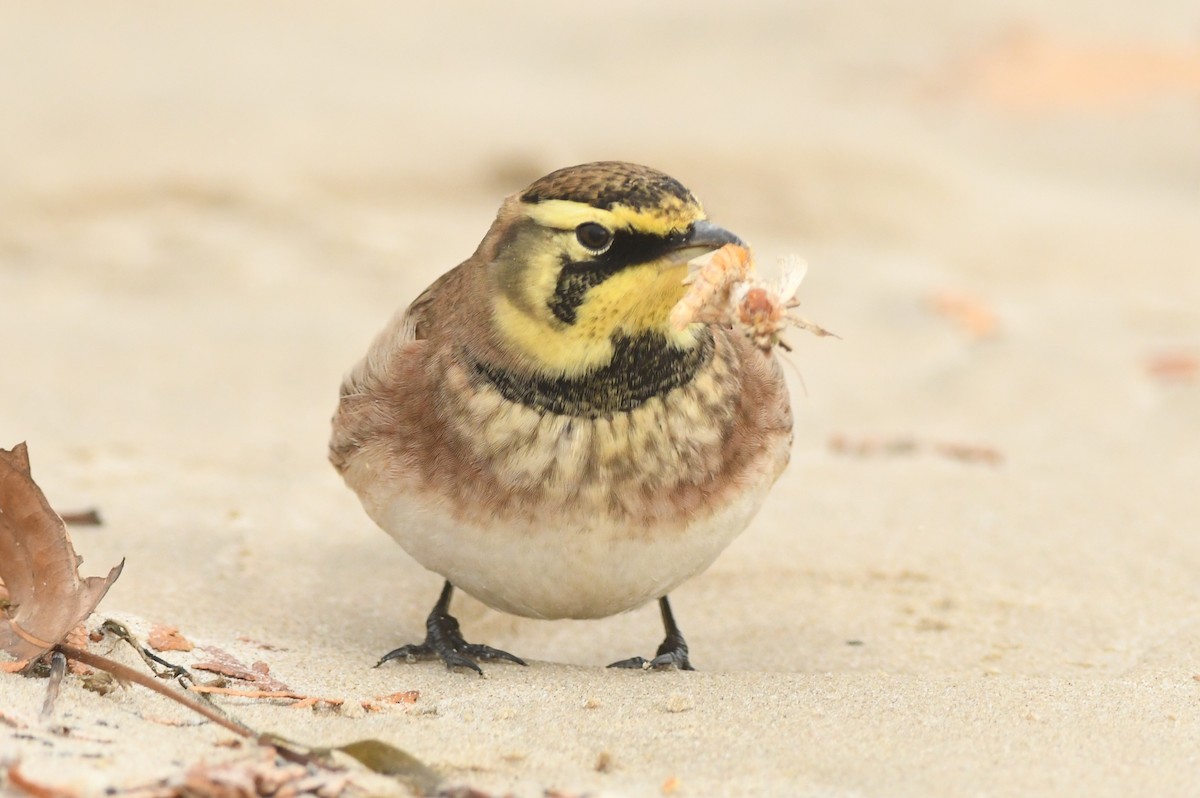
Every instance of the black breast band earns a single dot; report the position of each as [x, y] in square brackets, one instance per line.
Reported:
[642, 367]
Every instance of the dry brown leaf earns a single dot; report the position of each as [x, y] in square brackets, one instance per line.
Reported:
[168, 638]
[267, 775]
[968, 313]
[224, 663]
[406, 697]
[78, 638]
[387, 760]
[1174, 366]
[26, 787]
[39, 567]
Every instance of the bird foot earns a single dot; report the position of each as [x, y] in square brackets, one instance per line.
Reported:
[672, 653]
[444, 641]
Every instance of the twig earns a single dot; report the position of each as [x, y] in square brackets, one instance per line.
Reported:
[149, 657]
[286, 748]
[239, 693]
[88, 517]
[375, 755]
[127, 674]
[58, 669]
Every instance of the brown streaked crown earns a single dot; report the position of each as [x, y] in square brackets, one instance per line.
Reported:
[603, 184]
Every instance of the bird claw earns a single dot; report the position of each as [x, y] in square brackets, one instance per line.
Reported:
[488, 653]
[675, 658]
[452, 650]
[444, 641]
[672, 653]
[633, 663]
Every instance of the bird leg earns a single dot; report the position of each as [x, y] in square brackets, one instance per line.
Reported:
[673, 651]
[444, 641]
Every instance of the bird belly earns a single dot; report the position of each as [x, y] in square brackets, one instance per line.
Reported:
[566, 568]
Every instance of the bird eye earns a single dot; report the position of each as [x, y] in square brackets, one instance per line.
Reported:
[595, 237]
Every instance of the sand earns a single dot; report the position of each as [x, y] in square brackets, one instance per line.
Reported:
[978, 575]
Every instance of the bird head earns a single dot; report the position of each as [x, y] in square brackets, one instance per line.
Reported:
[589, 253]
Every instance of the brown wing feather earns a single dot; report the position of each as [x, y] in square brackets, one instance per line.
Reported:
[392, 363]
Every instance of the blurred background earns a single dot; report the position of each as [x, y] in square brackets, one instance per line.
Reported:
[984, 551]
[206, 212]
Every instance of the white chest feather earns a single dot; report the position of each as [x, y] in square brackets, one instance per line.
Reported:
[569, 569]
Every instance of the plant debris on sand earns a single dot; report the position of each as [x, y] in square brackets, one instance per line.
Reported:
[44, 598]
[43, 603]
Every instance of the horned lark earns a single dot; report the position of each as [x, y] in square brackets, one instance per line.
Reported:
[534, 429]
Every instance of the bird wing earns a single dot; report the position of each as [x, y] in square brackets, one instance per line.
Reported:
[388, 372]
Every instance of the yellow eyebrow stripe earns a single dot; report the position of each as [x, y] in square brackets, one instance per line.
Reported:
[567, 215]
[663, 220]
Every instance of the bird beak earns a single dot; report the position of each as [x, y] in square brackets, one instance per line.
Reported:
[706, 234]
[702, 238]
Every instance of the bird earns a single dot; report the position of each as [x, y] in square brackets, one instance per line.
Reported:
[534, 430]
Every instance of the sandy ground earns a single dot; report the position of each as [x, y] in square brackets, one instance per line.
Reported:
[205, 214]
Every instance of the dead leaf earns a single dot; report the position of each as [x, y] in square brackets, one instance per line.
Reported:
[78, 638]
[168, 638]
[968, 313]
[224, 663]
[316, 702]
[388, 760]
[267, 775]
[407, 697]
[1174, 366]
[17, 779]
[39, 567]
